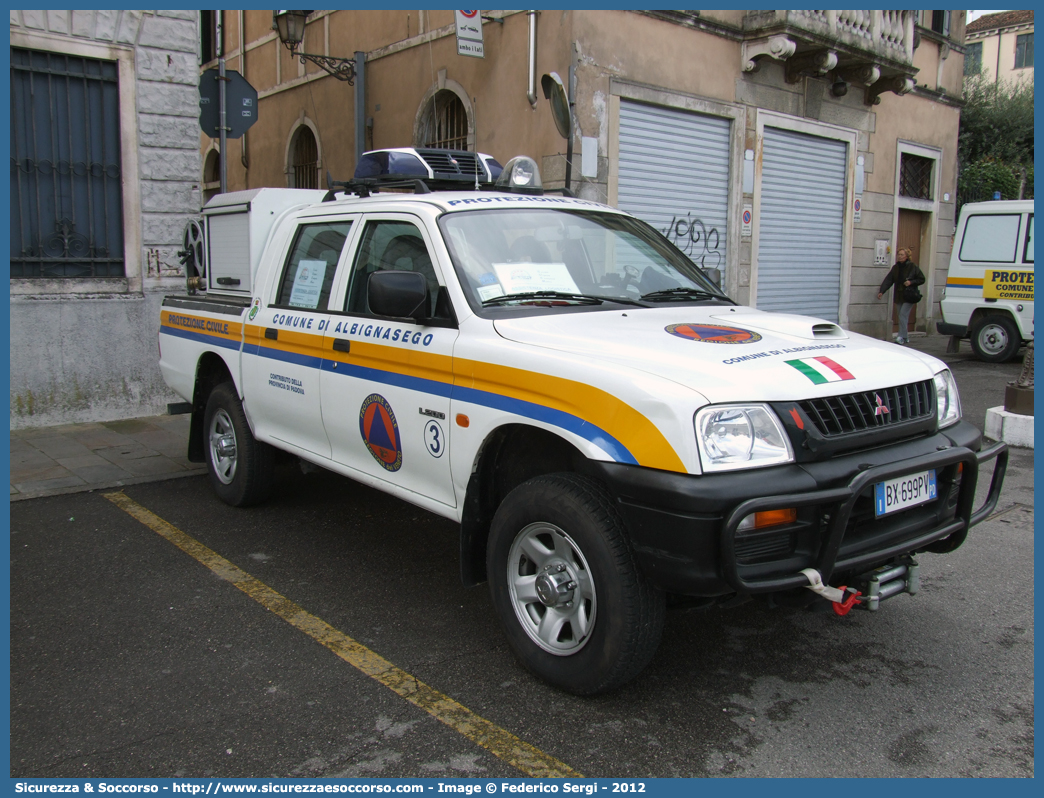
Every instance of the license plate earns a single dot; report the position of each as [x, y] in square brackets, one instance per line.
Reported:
[902, 492]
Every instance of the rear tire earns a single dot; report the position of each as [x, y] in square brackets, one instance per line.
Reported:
[240, 467]
[575, 607]
[995, 339]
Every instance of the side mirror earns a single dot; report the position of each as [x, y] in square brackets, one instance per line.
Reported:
[400, 294]
[714, 275]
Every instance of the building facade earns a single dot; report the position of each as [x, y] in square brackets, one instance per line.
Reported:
[1000, 46]
[793, 150]
[105, 174]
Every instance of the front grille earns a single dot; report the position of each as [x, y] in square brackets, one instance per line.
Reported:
[860, 412]
[453, 162]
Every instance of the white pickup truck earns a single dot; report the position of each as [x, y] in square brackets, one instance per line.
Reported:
[608, 428]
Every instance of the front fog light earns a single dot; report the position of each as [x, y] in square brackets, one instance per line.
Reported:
[740, 436]
[948, 401]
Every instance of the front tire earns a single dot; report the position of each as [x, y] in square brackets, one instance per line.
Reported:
[240, 467]
[995, 339]
[574, 606]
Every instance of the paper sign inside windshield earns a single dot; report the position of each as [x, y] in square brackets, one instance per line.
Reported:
[521, 278]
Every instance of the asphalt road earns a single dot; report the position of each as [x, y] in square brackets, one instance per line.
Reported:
[131, 658]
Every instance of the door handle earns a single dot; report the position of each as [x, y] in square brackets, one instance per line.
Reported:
[342, 345]
[272, 332]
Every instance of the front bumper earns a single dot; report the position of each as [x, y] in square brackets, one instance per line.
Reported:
[684, 528]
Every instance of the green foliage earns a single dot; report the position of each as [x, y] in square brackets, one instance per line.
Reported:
[996, 122]
[979, 180]
[995, 142]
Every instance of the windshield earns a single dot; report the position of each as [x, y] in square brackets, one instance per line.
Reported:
[552, 257]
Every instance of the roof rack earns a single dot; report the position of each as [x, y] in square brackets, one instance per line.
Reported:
[364, 187]
[428, 170]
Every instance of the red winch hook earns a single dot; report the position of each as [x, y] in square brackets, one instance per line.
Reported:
[842, 607]
[834, 595]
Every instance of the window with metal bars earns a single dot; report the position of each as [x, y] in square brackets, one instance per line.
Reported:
[445, 125]
[915, 176]
[304, 168]
[66, 175]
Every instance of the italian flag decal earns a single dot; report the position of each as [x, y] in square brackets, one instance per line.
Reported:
[821, 369]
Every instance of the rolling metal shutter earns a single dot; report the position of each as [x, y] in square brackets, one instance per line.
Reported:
[674, 174]
[801, 224]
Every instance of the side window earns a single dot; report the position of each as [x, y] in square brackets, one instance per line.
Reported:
[1027, 253]
[309, 271]
[389, 245]
[992, 238]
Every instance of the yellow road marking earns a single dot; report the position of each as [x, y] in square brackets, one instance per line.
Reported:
[502, 744]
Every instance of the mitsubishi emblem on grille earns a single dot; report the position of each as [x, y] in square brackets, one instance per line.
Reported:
[880, 410]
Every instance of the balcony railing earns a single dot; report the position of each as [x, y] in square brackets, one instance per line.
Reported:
[874, 48]
[889, 33]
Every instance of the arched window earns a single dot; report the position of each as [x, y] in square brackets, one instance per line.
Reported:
[211, 176]
[304, 159]
[445, 122]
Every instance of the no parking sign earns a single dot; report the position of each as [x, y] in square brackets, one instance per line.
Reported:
[469, 33]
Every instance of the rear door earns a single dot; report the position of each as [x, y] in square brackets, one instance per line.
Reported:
[386, 382]
[283, 351]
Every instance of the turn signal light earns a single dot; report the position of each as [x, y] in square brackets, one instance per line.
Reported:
[768, 518]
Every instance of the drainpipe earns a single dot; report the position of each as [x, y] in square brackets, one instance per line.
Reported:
[244, 157]
[360, 105]
[572, 105]
[996, 73]
[531, 96]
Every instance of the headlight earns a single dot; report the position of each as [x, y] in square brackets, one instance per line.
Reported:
[740, 436]
[949, 402]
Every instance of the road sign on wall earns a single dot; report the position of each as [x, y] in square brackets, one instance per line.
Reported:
[469, 33]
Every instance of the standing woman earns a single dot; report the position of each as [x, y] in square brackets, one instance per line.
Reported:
[905, 276]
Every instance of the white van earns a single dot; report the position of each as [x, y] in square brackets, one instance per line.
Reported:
[989, 290]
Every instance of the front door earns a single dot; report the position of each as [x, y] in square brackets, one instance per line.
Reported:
[386, 384]
[908, 235]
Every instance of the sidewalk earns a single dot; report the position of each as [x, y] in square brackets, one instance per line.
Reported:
[47, 461]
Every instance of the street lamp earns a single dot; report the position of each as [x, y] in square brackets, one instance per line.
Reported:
[291, 27]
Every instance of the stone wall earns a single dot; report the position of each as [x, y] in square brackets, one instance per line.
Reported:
[85, 349]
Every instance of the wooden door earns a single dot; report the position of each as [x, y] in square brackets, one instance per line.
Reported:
[907, 235]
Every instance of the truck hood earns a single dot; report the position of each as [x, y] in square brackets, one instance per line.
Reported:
[729, 354]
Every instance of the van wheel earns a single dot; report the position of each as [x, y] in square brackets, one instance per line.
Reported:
[995, 339]
[240, 466]
[574, 606]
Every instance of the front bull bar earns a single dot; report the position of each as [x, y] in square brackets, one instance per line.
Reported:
[843, 499]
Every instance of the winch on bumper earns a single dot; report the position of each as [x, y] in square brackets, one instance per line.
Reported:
[686, 529]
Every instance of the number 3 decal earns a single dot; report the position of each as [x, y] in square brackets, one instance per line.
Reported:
[434, 439]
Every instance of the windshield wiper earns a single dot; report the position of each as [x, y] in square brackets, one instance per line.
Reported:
[583, 299]
[671, 294]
